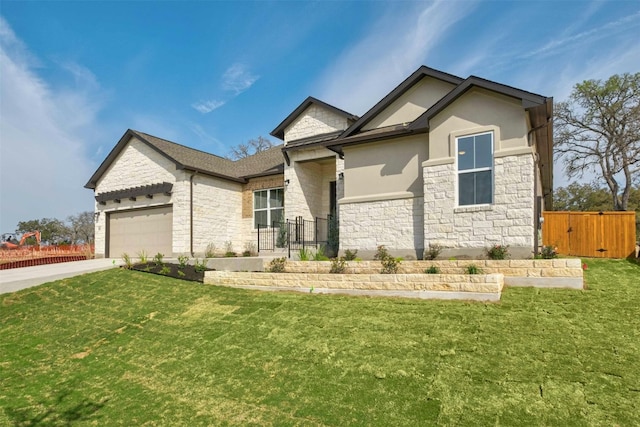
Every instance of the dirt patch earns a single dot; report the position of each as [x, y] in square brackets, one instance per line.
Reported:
[188, 272]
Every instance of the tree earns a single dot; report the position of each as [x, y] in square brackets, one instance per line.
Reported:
[52, 230]
[82, 227]
[598, 129]
[253, 146]
[581, 197]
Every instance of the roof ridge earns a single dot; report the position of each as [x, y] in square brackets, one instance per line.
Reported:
[181, 145]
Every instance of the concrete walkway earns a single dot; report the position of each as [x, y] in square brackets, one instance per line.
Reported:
[15, 279]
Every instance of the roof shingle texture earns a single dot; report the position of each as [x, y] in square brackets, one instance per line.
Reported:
[265, 162]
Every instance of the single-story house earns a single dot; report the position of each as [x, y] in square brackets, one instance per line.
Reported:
[440, 160]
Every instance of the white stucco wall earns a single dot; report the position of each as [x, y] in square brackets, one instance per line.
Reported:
[411, 104]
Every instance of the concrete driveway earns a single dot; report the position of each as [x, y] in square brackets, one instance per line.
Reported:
[15, 279]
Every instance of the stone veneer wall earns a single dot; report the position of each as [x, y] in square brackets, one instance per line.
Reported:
[138, 164]
[486, 287]
[313, 121]
[397, 224]
[308, 187]
[561, 267]
[217, 206]
[468, 230]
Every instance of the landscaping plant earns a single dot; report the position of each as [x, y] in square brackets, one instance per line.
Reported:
[182, 261]
[498, 252]
[277, 265]
[350, 255]
[126, 259]
[433, 251]
[158, 258]
[432, 270]
[389, 264]
[143, 257]
[473, 269]
[125, 348]
[210, 251]
[338, 265]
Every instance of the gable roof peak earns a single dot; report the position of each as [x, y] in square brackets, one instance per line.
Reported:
[408, 83]
[278, 132]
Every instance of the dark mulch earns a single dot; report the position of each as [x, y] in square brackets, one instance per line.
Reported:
[187, 272]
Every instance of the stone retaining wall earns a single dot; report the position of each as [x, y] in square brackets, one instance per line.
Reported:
[484, 287]
[509, 268]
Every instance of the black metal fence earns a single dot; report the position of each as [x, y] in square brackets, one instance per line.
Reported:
[298, 234]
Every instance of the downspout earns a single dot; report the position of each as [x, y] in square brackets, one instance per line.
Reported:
[191, 213]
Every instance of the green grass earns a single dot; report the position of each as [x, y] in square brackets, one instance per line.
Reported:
[127, 348]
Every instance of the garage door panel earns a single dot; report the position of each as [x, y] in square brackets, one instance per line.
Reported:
[145, 229]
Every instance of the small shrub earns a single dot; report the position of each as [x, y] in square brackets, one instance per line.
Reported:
[228, 249]
[350, 255]
[250, 249]
[277, 265]
[548, 252]
[281, 241]
[182, 261]
[158, 258]
[433, 251]
[338, 265]
[181, 273]
[473, 269]
[498, 252]
[127, 261]
[200, 266]
[210, 251]
[304, 254]
[144, 258]
[165, 270]
[389, 264]
[319, 255]
[432, 270]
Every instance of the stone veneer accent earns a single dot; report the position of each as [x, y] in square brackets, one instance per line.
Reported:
[468, 230]
[315, 120]
[547, 270]
[486, 287]
[260, 183]
[397, 224]
[307, 193]
[139, 164]
[552, 273]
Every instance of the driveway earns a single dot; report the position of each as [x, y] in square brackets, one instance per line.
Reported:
[15, 279]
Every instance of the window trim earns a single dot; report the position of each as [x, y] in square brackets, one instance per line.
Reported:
[268, 209]
[475, 170]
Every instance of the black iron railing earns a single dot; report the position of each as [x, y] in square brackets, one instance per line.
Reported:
[297, 234]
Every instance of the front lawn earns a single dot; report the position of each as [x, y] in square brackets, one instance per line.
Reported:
[123, 347]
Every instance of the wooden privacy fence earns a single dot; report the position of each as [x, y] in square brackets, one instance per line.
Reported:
[591, 234]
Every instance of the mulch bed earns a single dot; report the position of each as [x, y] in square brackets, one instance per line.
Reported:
[187, 272]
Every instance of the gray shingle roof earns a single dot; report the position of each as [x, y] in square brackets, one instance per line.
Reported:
[268, 162]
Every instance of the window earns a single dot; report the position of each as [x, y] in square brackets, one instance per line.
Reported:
[475, 169]
[268, 207]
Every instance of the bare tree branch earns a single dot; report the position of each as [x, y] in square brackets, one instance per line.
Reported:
[598, 129]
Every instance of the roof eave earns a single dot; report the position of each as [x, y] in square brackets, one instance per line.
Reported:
[398, 91]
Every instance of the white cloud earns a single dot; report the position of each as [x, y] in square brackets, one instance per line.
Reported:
[207, 106]
[238, 78]
[393, 48]
[571, 41]
[43, 164]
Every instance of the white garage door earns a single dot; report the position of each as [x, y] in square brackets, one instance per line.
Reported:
[144, 229]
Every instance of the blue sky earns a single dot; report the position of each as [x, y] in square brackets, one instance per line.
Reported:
[74, 76]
